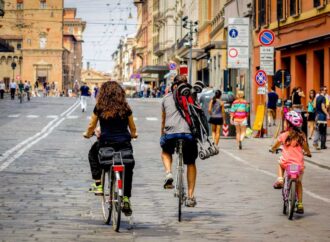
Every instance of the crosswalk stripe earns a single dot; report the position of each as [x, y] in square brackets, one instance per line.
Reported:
[72, 117]
[32, 116]
[52, 116]
[13, 116]
[151, 119]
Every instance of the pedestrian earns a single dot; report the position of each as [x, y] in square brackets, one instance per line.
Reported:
[296, 96]
[27, 89]
[44, 84]
[96, 90]
[36, 89]
[311, 113]
[293, 142]
[174, 127]
[76, 88]
[148, 92]
[84, 94]
[2, 88]
[118, 128]
[217, 113]
[13, 87]
[271, 106]
[239, 113]
[322, 116]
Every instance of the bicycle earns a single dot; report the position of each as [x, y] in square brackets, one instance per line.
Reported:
[289, 193]
[112, 180]
[179, 191]
[21, 96]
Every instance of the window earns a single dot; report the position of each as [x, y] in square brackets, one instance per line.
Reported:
[19, 46]
[319, 3]
[43, 4]
[262, 12]
[42, 40]
[20, 4]
[280, 9]
[294, 7]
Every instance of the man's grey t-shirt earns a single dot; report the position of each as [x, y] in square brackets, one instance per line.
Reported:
[174, 123]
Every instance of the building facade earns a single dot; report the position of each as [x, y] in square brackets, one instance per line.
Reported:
[41, 49]
[302, 41]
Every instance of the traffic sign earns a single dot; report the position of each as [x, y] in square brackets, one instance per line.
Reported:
[260, 78]
[233, 52]
[261, 90]
[278, 78]
[225, 130]
[233, 33]
[238, 57]
[18, 77]
[267, 59]
[238, 35]
[172, 66]
[266, 37]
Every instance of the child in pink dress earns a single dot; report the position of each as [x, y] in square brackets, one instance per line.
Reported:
[293, 142]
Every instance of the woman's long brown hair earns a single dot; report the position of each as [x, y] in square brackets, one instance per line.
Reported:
[295, 134]
[111, 101]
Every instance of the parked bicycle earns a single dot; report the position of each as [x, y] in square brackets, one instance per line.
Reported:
[112, 181]
[179, 190]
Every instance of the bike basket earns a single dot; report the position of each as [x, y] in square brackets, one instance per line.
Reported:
[106, 155]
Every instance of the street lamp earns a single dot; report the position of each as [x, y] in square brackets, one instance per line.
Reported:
[13, 66]
[192, 26]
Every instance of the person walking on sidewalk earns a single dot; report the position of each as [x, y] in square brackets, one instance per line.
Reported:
[174, 127]
[2, 89]
[217, 116]
[239, 113]
[84, 94]
[271, 106]
[311, 113]
[13, 87]
[322, 117]
[117, 129]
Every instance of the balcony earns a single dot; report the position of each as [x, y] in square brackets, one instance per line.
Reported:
[138, 1]
[181, 43]
[159, 49]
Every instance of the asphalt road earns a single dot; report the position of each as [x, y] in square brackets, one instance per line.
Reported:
[45, 179]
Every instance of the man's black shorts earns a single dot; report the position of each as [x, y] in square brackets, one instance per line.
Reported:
[190, 149]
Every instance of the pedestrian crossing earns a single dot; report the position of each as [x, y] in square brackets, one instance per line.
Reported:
[33, 116]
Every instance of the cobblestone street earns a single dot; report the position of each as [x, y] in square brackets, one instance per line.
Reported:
[45, 178]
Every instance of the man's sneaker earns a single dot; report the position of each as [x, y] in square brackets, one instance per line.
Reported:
[191, 202]
[127, 210]
[98, 190]
[168, 184]
[300, 208]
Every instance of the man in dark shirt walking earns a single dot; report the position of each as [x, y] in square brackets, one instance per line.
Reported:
[84, 94]
[322, 116]
[271, 106]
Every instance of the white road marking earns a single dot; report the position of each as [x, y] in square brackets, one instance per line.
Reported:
[151, 119]
[29, 142]
[72, 117]
[52, 116]
[32, 116]
[239, 159]
[13, 116]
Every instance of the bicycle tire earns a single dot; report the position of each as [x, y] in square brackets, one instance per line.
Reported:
[180, 186]
[20, 98]
[292, 200]
[116, 206]
[106, 197]
[285, 199]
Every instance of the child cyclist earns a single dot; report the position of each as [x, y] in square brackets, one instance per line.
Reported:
[293, 142]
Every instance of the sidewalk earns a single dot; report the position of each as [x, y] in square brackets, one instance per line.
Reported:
[320, 158]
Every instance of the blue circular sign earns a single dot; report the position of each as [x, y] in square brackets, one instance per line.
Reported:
[266, 37]
[172, 66]
[233, 33]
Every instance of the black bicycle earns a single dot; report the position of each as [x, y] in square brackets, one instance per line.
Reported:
[113, 177]
[179, 191]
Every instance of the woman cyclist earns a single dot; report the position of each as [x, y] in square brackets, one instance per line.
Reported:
[117, 130]
[217, 116]
[294, 142]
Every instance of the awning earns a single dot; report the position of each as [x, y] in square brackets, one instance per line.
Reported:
[154, 69]
[303, 42]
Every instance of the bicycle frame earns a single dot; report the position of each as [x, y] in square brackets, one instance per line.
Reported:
[179, 191]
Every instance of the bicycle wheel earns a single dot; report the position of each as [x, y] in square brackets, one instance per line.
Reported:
[180, 187]
[292, 199]
[116, 206]
[106, 198]
[20, 98]
[285, 199]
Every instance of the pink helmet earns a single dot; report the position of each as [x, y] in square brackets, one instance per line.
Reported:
[294, 118]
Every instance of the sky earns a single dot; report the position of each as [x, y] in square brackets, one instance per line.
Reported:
[106, 21]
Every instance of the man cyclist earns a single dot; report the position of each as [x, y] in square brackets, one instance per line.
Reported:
[174, 126]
